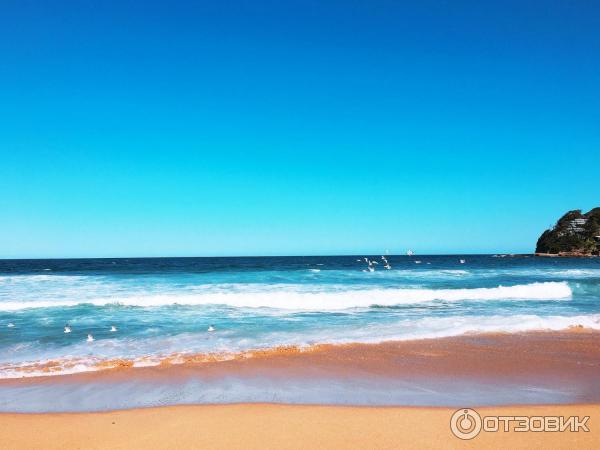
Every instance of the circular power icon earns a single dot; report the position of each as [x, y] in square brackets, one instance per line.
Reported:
[465, 423]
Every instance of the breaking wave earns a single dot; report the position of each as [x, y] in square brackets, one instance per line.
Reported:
[316, 301]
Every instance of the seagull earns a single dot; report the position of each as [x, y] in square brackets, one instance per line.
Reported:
[211, 328]
[10, 325]
[90, 338]
[67, 328]
[370, 267]
[387, 266]
[113, 329]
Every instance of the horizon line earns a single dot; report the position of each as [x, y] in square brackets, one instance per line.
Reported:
[268, 256]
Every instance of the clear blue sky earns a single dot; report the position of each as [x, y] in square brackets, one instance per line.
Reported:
[283, 127]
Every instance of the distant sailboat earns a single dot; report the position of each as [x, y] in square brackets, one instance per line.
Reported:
[409, 252]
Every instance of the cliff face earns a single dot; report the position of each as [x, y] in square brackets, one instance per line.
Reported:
[575, 234]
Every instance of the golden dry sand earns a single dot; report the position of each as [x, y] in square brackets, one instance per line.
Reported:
[264, 426]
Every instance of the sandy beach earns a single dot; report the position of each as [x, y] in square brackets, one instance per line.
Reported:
[550, 358]
[260, 426]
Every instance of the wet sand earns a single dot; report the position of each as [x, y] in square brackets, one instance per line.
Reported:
[260, 426]
[569, 358]
[544, 360]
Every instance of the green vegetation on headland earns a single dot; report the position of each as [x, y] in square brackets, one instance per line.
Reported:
[575, 234]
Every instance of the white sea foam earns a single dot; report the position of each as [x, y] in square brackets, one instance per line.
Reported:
[576, 273]
[39, 278]
[487, 273]
[152, 351]
[315, 301]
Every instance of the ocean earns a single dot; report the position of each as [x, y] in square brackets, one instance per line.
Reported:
[162, 308]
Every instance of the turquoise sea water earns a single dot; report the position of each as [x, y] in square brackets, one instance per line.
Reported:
[164, 306]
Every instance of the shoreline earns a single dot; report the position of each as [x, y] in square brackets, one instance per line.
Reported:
[285, 427]
[520, 366]
[560, 367]
[566, 255]
[326, 353]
